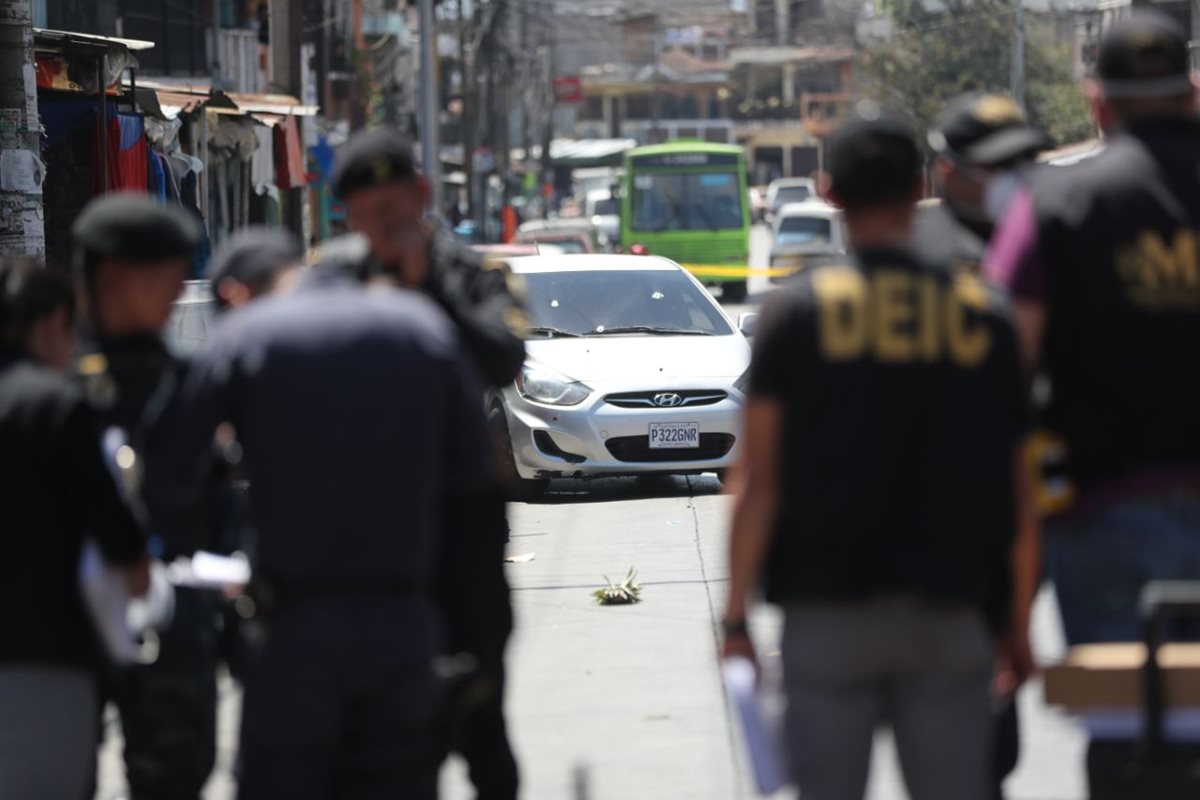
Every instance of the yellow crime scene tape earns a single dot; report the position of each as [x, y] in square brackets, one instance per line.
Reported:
[735, 271]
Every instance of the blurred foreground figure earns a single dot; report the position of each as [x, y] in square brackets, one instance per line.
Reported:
[985, 153]
[365, 448]
[255, 262]
[985, 150]
[54, 490]
[385, 201]
[1102, 261]
[879, 494]
[132, 255]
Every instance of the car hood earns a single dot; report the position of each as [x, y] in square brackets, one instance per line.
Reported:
[635, 359]
[796, 248]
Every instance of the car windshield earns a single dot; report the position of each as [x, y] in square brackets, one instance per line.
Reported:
[641, 302]
[791, 194]
[804, 230]
[707, 201]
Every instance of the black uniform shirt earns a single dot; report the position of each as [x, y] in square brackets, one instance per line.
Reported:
[903, 403]
[54, 490]
[943, 237]
[1109, 247]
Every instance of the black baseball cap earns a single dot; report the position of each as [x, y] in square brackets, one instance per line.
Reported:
[986, 130]
[133, 227]
[873, 158]
[255, 255]
[372, 158]
[1145, 55]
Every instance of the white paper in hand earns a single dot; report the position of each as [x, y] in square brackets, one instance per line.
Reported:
[106, 599]
[762, 743]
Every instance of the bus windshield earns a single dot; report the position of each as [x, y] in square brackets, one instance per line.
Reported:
[678, 201]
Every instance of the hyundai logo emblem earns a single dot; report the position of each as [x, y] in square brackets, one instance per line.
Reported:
[667, 400]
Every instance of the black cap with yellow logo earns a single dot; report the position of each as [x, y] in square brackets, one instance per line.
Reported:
[1144, 55]
[373, 158]
[986, 130]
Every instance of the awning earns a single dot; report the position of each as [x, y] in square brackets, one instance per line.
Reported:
[589, 152]
[281, 104]
[66, 38]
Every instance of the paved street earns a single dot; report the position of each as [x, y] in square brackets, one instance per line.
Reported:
[626, 702]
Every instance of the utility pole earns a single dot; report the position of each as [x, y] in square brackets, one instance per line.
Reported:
[1018, 54]
[466, 71]
[430, 148]
[22, 224]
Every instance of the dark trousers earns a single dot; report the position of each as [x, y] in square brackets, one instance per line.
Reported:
[342, 701]
[1007, 743]
[483, 744]
[169, 708]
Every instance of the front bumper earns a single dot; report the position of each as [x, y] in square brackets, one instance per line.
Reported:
[597, 438]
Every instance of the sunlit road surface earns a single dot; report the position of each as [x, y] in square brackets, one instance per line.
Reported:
[626, 702]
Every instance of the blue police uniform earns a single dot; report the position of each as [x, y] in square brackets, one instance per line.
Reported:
[379, 531]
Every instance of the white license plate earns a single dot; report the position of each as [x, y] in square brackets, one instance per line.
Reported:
[674, 435]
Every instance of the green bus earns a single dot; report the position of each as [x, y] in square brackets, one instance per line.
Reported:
[688, 201]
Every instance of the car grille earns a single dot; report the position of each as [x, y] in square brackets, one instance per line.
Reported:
[688, 398]
[636, 449]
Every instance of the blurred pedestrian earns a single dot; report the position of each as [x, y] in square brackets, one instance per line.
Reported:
[1101, 260]
[985, 151]
[364, 567]
[385, 201]
[256, 261]
[879, 493]
[132, 255]
[55, 489]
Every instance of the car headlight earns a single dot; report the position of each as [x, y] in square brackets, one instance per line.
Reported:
[543, 385]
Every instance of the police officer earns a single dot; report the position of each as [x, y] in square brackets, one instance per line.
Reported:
[882, 508]
[365, 451]
[385, 202]
[256, 261]
[1101, 259]
[55, 491]
[984, 148]
[132, 256]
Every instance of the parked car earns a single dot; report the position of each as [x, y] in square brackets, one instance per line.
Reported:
[783, 191]
[806, 235]
[572, 236]
[632, 368]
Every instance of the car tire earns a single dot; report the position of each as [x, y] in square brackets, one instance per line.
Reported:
[516, 488]
[733, 292]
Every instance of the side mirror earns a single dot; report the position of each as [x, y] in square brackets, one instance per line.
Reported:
[747, 323]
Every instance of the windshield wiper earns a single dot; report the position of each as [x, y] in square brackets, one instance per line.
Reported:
[651, 329]
[552, 332]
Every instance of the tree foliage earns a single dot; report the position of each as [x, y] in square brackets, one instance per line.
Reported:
[934, 55]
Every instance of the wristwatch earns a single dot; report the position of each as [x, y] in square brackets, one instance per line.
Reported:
[734, 627]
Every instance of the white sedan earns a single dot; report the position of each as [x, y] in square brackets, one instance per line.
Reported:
[632, 368]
